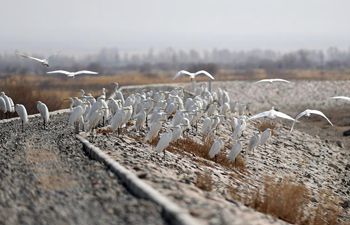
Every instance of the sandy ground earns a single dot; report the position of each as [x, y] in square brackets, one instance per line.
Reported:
[315, 154]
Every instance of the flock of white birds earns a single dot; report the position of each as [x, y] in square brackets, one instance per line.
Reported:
[168, 114]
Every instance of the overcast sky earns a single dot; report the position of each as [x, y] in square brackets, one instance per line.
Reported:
[88, 25]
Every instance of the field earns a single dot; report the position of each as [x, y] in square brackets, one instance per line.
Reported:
[298, 178]
[53, 90]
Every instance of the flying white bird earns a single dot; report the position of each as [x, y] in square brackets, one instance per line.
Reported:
[44, 112]
[272, 80]
[193, 75]
[235, 150]
[72, 74]
[342, 98]
[22, 112]
[308, 113]
[43, 62]
[272, 114]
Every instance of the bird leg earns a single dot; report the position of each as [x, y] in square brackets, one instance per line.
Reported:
[164, 154]
[22, 126]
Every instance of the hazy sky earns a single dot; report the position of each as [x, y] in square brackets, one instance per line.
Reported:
[88, 25]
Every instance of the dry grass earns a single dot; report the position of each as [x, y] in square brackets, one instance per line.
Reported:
[289, 201]
[204, 181]
[327, 211]
[285, 200]
[201, 150]
[262, 126]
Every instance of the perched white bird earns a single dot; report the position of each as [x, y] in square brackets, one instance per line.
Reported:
[140, 119]
[7, 101]
[272, 114]
[341, 98]
[215, 148]
[265, 136]
[272, 80]
[3, 105]
[164, 142]
[235, 150]
[22, 112]
[43, 62]
[254, 142]
[44, 112]
[234, 123]
[76, 114]
[154, 130]
[72, 74]
[117, 120]
[308, 113]
[177, 133]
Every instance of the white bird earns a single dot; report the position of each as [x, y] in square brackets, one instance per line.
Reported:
[193, 75]
[254, 142]
[342, 98]
[22, 112]
[215, 148]
[3, 105]
[7, 101]
[234, 123]
[272, 80]
[72, 74]
[76, 114]
[140, 119]
[164, 142]
[154, 130]
[44, 112]
[265, 136]
[177, 133]
[272, 114]
[308, 113]
[117, 119]
[43, 62]
[235, 150]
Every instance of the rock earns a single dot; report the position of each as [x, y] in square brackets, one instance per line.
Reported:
[333, 166]
[345, 204]
[340, 144]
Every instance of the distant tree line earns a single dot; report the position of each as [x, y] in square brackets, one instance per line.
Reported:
[111, 61]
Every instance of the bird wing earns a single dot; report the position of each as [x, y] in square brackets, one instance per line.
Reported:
[283, 115]
[85, 72]
[280, 80]
[263, 80]
[341, 97]
[303, 113]
[320, 114]
[29, 57]
[59, 71]
[259, 115]
[205, 73]
[182, 72]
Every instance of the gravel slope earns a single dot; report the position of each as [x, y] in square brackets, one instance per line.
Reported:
[46, 179]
